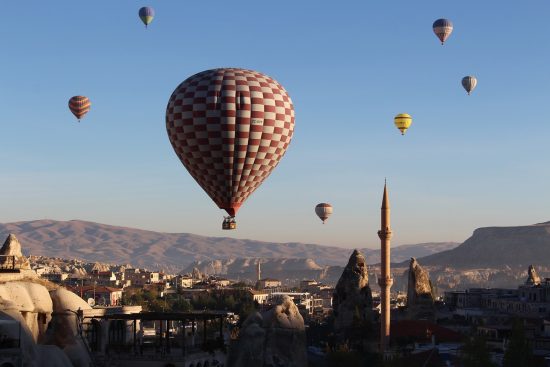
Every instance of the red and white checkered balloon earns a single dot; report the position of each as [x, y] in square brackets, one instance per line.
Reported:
[230, 127]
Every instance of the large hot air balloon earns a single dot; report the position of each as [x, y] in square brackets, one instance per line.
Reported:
[403, 121]
[323, 211]
[469, 83]
[230, 127]
[443, 29]
[79, 106]
[146, 14]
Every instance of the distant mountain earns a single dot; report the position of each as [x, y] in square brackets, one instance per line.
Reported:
[174, 251]
[497, 247]
[405, 252]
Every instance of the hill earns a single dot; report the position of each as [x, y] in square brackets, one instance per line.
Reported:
[497, 247]
[172, 251]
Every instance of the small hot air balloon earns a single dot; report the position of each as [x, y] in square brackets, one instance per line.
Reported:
[323, 211]
[79, 106]
[443, 29]
[230, 128]
[146, 14]
[403, 121]
[469, 83]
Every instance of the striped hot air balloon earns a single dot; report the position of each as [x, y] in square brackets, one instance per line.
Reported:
[79, 106]
[443, 29]
[403, 121]
[146, 14]
[469, 83]
[323, 211]
[230, 128]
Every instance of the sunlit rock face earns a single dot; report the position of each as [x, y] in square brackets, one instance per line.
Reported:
[33, 303]
[352, 299]
[532, 276]
[275, 338]
[419, 289]
[63, 331]
[420, 294]
[25, 311]
[12, 247]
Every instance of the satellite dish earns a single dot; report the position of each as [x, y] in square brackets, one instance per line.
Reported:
[91, 302]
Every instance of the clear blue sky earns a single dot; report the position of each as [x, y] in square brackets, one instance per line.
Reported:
[349, 67]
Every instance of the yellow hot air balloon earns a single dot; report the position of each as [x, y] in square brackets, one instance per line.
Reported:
[403, 121]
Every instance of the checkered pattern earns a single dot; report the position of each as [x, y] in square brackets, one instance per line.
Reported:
[230, 127]
[79, 106]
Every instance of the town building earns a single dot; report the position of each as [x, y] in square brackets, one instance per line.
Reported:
[260, 297]
[268, 283]
[102, 295]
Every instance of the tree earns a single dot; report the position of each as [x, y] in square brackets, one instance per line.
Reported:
[518, 352]
[475, 352]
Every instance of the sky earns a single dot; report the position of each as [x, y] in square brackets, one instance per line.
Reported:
[349, 67]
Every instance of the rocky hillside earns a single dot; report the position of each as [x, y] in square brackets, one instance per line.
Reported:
[175, 251]
[498, 247]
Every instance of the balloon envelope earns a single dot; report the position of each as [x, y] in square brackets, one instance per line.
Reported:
[403, 121]
[469, 83]
[230, 127]
[443, 29]
[79, 106]
[323, 211]
[146, 14]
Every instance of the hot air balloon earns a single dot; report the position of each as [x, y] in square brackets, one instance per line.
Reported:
[79, 106]
[146, 14]
[229, 127]
[323, 211]
[469, 83]
[403, 121]
[443, 29]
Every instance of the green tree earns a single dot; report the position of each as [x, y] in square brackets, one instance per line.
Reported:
[518, 352]
[181, 305]
[475, 353]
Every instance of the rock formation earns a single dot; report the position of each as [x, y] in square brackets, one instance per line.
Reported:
[44, 319]
[63, 330]
[352, 298]
[420, 294]
[12, 247]
[29, 304]
[532, 277]
[275, 338]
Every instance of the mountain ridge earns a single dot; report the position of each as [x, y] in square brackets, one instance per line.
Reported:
[171, 251]
[514, 246]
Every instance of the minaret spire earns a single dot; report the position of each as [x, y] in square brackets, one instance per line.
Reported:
[385, 281]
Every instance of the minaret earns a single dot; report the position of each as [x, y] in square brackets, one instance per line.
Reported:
[259, 270]
[385, 281]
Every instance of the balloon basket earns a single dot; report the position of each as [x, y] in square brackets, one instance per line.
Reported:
[229, 223]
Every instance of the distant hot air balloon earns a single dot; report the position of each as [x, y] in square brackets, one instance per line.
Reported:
[403, 121]
[469, 83]
[443, 29]
[229, 127]
[146, 14]
[79, 106]
[323, 211]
